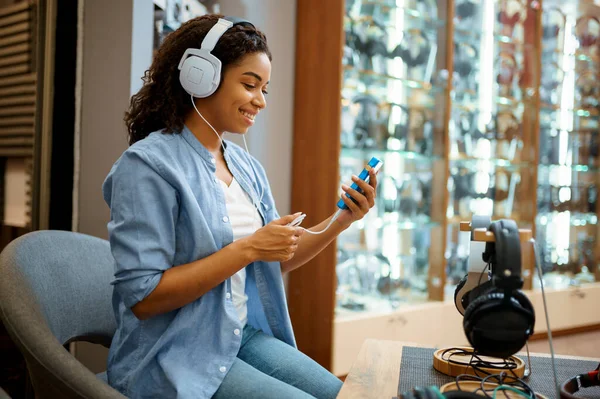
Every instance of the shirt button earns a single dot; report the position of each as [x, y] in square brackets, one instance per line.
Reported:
[213, 160]
[236, 331]
[228, 295]
[225, 219]
[222, 369]
[216, 181]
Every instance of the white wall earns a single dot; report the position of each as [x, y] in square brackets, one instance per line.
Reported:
[116, 45]
[141, 42]
[106, 80]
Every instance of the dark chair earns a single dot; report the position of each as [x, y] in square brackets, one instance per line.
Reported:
[55, 289]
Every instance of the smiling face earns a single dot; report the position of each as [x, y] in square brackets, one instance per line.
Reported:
[241, 95]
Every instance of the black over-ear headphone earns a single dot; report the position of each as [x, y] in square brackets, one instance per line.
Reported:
[404, 50]
[433, 393]
[499, 320]
[572, 385]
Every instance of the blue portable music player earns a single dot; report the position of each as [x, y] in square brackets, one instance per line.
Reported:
[374, 164]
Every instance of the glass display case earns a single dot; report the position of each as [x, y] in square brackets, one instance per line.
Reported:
[521, 138]
[491, 150]
[567, 216]
[476, 107]
[394, 83]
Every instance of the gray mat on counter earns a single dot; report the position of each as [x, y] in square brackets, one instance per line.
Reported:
[416, 369]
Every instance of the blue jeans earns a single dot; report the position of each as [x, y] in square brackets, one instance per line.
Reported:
[266, 367]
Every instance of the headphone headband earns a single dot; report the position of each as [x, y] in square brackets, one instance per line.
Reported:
[506, 249]
[218, 29]
[200, 70]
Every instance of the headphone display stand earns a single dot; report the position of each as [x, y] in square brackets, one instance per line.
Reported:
[454, 361]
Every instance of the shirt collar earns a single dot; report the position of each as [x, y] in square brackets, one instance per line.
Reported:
[199, 147]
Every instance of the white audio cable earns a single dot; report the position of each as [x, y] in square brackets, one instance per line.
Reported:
[223, 145]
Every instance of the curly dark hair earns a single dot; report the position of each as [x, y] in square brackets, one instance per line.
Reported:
[162, 103]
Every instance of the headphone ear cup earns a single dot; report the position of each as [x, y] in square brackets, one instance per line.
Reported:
[407, 395]
[461, 395]
[459, 287]
[421, 393]
[198, 76]
[527, 306]
[497, 326]
[471, 321]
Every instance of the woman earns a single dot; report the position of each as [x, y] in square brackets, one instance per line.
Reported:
[198, 244]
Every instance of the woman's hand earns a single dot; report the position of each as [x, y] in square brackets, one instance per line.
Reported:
[364, 202]
[275, 242]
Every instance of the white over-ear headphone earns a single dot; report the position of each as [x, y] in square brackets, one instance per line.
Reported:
[200, 71]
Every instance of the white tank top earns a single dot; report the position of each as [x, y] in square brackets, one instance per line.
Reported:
[245, 220]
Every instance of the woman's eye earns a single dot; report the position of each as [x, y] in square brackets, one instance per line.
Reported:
[249, 86]
[265, 92]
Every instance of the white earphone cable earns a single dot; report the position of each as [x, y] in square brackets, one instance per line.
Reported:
[262, 191]
[333, 219]
[223, 146]
[205, 121]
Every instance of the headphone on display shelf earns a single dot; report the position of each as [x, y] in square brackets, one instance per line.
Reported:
[468, 124]
[499, 319]
[551, 78]
[585, 38]
[200, 70]
[551, 30]
[506, 65]
[549, 145]
[363, 45]
[405, 51]
[402, 114]
[511, 129]
[465, 53]
[395, 197]
[465, 9]
[369, 129]
[353, 43]
[587, 88]
[511, 20]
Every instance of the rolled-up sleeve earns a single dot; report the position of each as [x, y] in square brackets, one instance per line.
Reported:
[141, 230]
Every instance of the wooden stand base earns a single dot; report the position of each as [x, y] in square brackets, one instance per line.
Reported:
[454, 361]
[473, 386]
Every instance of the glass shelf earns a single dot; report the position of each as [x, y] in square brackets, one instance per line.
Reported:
[581, 112]
[409, 83]
[577, 219]
[475, 37]
[381, 154]
[424, 22]
[577, 55]
[574, 168]
[580, 56]
[500, 163]
[387, 6]
[455, 221]
[402, 224]
[473, 106]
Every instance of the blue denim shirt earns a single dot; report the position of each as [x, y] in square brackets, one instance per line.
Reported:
[168, 209]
